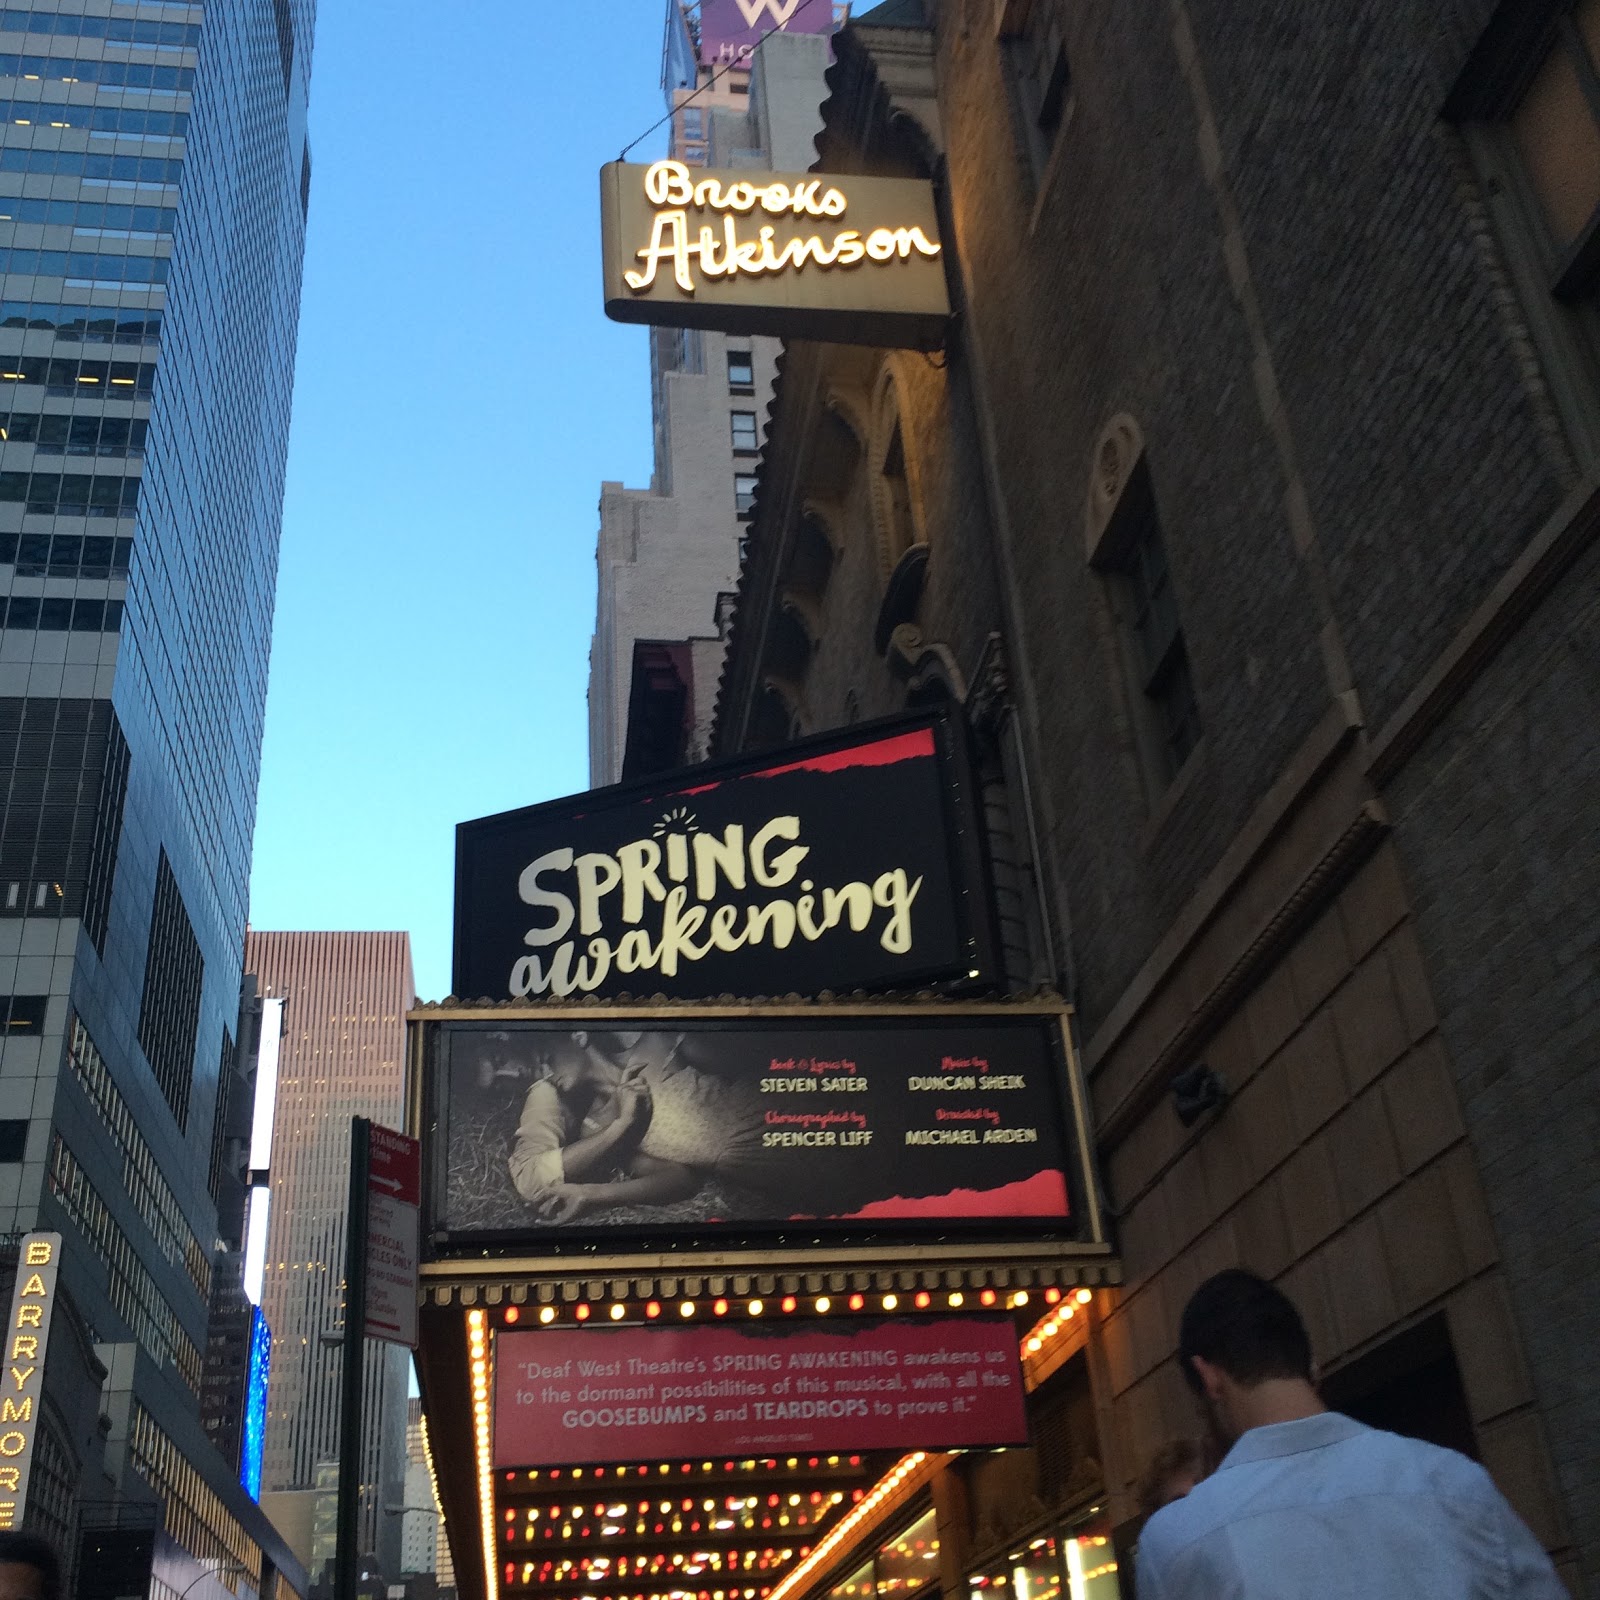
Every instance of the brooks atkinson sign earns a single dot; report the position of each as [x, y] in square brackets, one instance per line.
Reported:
[844, 863]
[803, 255]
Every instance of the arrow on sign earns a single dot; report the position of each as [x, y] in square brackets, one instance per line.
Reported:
[387, 1183]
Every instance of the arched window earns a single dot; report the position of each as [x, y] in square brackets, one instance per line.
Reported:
[1127, 548]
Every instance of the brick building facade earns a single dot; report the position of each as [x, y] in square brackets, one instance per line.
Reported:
[1249, 513]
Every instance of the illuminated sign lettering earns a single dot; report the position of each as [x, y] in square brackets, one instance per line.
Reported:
[22, 1372]
[843, 258]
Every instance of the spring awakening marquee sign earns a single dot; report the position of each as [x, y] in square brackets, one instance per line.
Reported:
[844, 863]
[625, 1122]
[799, 255]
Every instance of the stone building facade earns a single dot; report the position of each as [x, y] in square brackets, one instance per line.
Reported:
[1249, 514]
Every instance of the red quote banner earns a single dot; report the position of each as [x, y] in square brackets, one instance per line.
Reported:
[664, 1394]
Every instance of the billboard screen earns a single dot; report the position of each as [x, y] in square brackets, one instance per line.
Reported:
[850, 862]
[730, 30]
[841, 1120]
[663, 1394]
[258, 1369]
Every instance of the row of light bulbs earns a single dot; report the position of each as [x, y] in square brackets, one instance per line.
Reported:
[664, 1468]
[1054, 1323]
[478, 1359]
[732, 1502]
[695, 1562]
[823, 1305]
[670, 1594]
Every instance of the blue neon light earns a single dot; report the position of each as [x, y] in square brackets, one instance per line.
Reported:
[255, 1404]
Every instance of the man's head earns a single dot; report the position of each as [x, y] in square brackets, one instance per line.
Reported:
[1244, 1352]
[29, 1569]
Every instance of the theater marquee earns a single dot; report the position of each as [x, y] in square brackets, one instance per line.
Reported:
[849, 862]
[801, 255]
[627, 1124]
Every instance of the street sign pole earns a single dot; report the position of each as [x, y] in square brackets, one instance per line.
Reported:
[347, 1556]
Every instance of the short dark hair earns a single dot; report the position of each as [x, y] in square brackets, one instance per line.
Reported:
[29, 1550]
[1246, 1326]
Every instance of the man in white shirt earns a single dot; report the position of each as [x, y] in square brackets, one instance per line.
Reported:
[1310, 1505]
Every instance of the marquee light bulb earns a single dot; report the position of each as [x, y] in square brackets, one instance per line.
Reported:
[756, 1308]
[618, 1311]
[1084, 1296]
[686, 1309]
[890, 1301]
[719, 1308]
[824, 1305]
[547, 1315]
[582, 1313]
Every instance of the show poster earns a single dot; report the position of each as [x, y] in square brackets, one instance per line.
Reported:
[730, 30]
[664, 1394]
[846, 1124]
[845, 863]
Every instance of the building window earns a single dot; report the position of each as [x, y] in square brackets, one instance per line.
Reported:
[741, 372]
[13, 1140]
[1528, 104]
[744, 493]
[23, 1013]
[52, 762]
[99, 119]
[119, 30]
[169, 1011]
[83, 324]
[1131, 556]
[744, 431]
[1040, 82]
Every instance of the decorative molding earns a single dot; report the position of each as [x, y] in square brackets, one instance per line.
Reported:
[1293, 915]
[1299, 777]
[1557, 545]
[747, 1273]
[989, 701]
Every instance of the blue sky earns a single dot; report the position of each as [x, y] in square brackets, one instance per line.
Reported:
[460, 397]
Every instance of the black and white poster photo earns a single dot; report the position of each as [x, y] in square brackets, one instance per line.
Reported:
[554, 1128]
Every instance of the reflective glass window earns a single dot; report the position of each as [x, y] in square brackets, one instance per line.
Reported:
[911, 1560]
[858, 1586]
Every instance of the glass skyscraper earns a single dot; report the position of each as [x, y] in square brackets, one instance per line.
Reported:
[154, 180]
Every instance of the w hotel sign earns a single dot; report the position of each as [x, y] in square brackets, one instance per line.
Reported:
[22, 1373]
[800, 255]
[730, 30]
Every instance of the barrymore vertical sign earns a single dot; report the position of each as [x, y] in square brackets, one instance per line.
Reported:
[22, 1383]
[843, 863]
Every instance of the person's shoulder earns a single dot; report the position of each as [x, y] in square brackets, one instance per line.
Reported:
[1181, 1522]
[1397, 1459]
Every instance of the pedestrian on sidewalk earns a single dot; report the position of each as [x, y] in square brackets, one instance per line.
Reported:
[1310, 1505]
